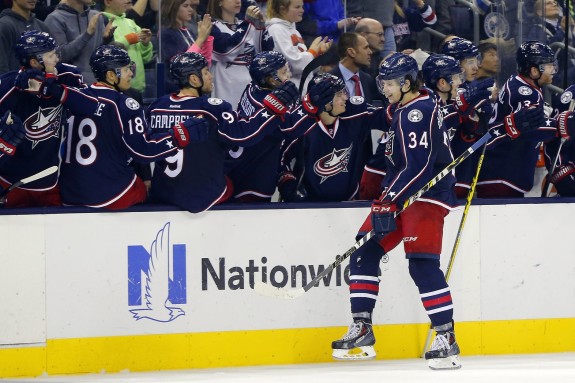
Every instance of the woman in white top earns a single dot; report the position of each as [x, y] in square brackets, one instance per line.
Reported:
[236, 42]
[282, 16]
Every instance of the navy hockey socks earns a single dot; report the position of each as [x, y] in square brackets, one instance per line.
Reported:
[363, 277]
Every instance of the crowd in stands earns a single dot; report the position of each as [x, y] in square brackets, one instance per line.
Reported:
[313, 142]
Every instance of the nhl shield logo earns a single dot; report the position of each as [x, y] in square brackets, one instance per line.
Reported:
[566, 97]
[415, 115]
[525, 90]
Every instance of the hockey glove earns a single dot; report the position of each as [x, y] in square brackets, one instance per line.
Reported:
[564, 180]
[194, 129]
[12, 132]
[383, 217]
[472, 96]
[318, 97]
[523, 121]
[282, 98]
[51, 88]
[289, 189]
[370, 185]
[23, 78]
[566, 124]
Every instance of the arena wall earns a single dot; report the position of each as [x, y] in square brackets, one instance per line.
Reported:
[154, 289]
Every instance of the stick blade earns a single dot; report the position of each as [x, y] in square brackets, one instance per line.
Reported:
[276, 292]
[42, 174]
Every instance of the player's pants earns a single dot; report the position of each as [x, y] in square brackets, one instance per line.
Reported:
[420, 227]
[19, 198]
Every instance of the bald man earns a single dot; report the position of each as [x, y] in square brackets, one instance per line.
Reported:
[373, 32]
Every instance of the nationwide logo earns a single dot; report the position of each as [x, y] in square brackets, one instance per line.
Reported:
[157, 279]
[333, 163]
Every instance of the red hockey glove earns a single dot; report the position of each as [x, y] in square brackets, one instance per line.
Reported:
[370, 185]
[282, 98]
[289, 189]
[194, 129]
[566, 124]
[523, 121]
[12, 132]
[383, 217]
[472, 96]
[318, 97]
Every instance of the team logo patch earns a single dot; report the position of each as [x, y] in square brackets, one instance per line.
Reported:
[356, 100]
[525, 90]
[333, 163]
[132, 104]
[215, 101]
[415, 115]
[566, 97]
[43, 124]
[496, 25]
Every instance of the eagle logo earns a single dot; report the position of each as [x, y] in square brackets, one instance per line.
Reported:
[158, 306]
[333, 163]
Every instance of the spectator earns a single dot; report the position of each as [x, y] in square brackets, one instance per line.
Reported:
[381, 10]
[176, 38]
[489, 64]
[327, 163]
[144, 13]
[408, 20]
[43, 117]
[373, 32]
[354, 54]
[194, 178]
[78, 31]
[236, 42]
[282, 16]
[13, 22]
[135, 40]
[324, 18]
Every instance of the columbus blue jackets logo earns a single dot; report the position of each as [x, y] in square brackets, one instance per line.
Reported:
[333, 163]
[215, 101]
[525, 90]
[132, 104]
[43, 124]
[566, 97]
[356, 100]
[496, 25]
[415, 115]
[157, 279]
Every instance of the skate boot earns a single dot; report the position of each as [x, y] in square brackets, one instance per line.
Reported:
[357, 344]
[444, 352]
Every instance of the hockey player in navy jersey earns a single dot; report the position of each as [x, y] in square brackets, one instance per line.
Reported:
[254, 169]
[329, 159]
[38, 95]
[194, 178]
[472, 104]
[417, 148]
[100, 147]
[509, 166]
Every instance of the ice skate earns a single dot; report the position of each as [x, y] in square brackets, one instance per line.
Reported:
[444, 352]
[356, 344]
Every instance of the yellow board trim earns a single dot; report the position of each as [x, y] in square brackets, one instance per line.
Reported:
[269, 347]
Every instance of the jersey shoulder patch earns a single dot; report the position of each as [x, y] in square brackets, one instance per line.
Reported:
[525, 90]
[132, 104]
[215, 101]
[356, 100]
[566, 97]
[415, 115]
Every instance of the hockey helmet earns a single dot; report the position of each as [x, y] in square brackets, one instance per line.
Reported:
[336, 83]
[534, 54]
[108, 57]
[397, 66]
[32, 44]
[437, 67]
[266, 64]
[460, 49]
[185, 64]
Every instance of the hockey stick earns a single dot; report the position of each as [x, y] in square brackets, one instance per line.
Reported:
[458, 236]
[34, 177]
[284, 293]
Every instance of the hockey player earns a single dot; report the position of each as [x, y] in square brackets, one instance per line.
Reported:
[194, 179]
[472, 103]
[417, 148]
[255, 168]
[509, 166]
[100, 147]
[329, 159]
[39, 94]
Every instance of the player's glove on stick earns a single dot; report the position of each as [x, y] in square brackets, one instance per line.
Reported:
[318, 97]
[566, 124]
[282, 98]
[194, 129]
[472, 96]
[383, 217]
[523, 121]
[12, 132]
[22, 80]
[289, 189]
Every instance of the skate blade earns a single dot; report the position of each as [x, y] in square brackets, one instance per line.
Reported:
[358, 353]
[449, 363]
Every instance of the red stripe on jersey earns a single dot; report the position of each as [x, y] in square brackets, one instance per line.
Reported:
[363, 286]
[437, 301]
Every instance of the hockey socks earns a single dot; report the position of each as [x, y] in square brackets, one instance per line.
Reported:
[363, 277]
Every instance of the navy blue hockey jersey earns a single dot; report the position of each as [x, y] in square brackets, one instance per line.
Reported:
[43, 120]
[194, 177]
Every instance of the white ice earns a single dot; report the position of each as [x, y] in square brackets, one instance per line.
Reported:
[537, 368]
